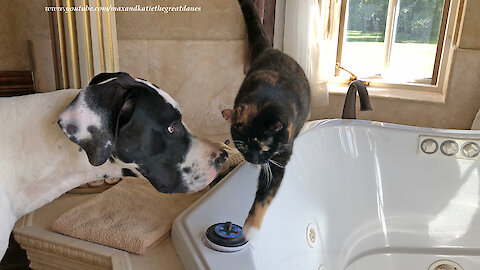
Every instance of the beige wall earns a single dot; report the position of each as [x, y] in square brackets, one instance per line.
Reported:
[25, 41]
[13, 51]
[198, 58]
[471, 26]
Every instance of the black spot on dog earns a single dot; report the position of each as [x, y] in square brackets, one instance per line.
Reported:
[128, 172]
[196, 177]
[92, 129]
[111, 159]
[213, 155]
[187, 170]
[80, 149]
[71, 129]
[105, 176]
[73, 139]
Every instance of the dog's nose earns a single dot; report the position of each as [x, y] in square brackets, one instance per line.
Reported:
[220, 160]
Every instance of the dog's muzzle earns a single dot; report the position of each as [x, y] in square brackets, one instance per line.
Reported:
[202, 163]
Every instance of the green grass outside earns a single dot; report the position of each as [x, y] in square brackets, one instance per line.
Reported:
[359, 36]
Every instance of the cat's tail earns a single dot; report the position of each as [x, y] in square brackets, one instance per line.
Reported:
[257, 38]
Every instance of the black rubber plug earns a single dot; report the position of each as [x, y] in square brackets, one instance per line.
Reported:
[226, 237]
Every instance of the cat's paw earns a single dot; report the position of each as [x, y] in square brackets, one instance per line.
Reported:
[250, 232]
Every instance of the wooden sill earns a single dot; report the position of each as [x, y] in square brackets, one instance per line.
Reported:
[393, 94]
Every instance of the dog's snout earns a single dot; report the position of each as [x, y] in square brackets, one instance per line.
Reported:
[220, 159]
[202, 164]
[61, 124]
[70, 129]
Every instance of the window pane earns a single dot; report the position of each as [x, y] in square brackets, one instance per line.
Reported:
[363, 48]
[413, 52]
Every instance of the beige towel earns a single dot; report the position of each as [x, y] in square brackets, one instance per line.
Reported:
[132, 216]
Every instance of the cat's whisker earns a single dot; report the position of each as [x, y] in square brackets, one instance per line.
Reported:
[267, 175]
[276, 163]
[270, 173]
[266, 179]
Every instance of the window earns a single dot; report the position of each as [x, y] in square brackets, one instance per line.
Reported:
[395, 42]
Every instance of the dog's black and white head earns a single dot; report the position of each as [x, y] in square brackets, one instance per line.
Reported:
[126, 120]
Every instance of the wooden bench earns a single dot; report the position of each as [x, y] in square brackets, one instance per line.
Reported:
[16, 83]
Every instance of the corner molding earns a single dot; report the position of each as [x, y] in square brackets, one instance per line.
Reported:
[48, 250]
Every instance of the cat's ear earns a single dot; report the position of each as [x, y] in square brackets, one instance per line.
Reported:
[276, 126]
[228, 115]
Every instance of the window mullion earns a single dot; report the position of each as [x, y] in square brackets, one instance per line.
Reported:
[390, 26]
[341, 34]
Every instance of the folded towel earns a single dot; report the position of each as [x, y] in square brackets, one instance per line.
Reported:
[131, 216]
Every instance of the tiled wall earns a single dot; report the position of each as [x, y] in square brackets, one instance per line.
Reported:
[197, 58]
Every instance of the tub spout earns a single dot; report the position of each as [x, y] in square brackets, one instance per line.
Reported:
[350, 99]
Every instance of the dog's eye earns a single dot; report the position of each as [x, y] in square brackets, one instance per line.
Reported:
[172, 128]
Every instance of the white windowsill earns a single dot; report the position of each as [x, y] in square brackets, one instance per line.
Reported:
[390, 93]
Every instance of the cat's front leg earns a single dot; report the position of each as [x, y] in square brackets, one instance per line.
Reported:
[269, 181]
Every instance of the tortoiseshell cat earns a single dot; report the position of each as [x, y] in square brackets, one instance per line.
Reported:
[271, 107]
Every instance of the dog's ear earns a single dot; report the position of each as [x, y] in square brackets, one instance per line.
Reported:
[95, 115]
[126, 112]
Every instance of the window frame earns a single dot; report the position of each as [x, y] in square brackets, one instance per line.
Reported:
[443, 55]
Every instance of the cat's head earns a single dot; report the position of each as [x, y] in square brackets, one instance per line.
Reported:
[258, 132]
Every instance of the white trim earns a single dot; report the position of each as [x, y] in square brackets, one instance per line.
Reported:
[390, 30]
[107, 80]
[279, 24]
[448, 47]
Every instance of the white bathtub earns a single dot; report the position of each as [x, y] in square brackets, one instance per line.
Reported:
[373, 199]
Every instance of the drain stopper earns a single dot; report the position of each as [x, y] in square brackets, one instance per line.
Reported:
[225, 237]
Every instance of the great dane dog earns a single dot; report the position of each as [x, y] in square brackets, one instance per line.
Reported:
[124, 126]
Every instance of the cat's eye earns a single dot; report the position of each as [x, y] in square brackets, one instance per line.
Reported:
[264, 147]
